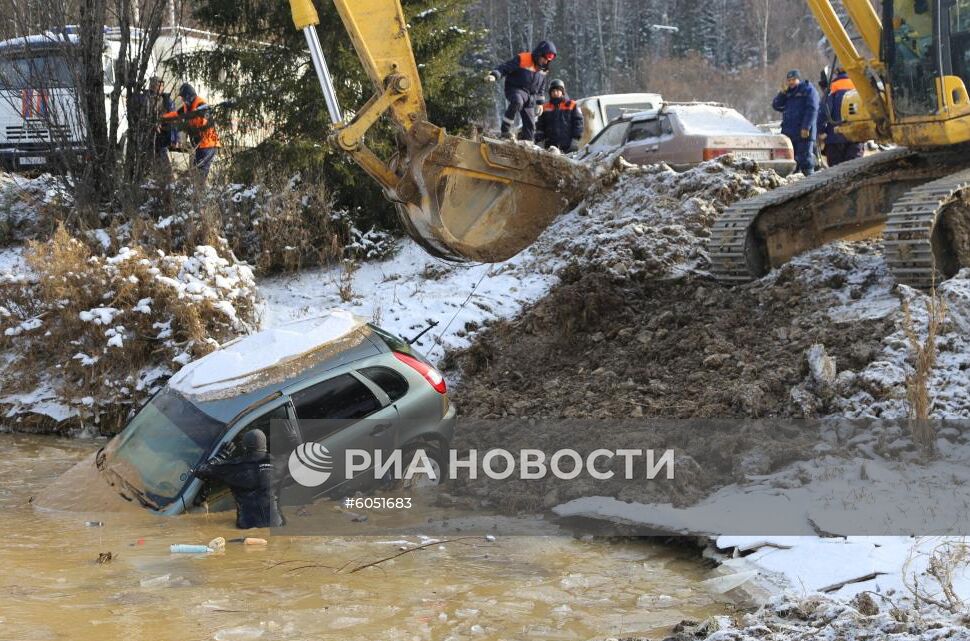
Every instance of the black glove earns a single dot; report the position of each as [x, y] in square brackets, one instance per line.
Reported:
[225, 453]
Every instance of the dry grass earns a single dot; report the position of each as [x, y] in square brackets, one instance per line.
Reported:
[284, 224]
[935, 585]
[103, 331]
[345, 281]
[923, 352]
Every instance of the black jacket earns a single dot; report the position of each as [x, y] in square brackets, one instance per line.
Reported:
[561, 122]
[250, 479]
[523, 72]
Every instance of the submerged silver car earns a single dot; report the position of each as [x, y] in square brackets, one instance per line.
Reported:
[367, 388]
[687, 134]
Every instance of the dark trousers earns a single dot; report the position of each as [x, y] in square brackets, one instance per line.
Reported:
[521, 104]
[840, 152]
[804, 154]
[203, 160]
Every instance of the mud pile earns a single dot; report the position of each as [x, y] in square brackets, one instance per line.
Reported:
[656, 337]
[598, 348]
[652, 221]
[637, 328]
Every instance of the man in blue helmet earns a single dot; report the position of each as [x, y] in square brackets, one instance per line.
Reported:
[525, 83]
[798, 103]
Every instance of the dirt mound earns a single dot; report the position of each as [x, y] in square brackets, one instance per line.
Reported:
[653, 220]
[599, 347]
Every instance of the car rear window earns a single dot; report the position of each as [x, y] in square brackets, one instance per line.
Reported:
[395, 343]
[645, 129]
[705, 120]
[388, 380]
[615, 111]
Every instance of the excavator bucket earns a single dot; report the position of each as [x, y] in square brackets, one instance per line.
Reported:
[461, 199]
[482, 201]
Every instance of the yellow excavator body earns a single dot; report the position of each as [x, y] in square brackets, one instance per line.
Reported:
[466, 200]
[911, 93]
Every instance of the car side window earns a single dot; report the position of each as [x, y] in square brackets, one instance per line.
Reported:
[665, 126]
[393, 384]
[341, 397]
[644, 130]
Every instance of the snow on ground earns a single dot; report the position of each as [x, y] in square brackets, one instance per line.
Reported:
[12, 260]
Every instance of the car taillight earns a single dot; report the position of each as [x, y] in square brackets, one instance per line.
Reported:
[782, 153]
[433, 376]
[711, 154]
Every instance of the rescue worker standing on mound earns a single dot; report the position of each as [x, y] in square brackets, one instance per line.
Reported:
[202, 132]
[838, 148]
[561, 122]
[798, 103]
[525, 83]
[249, 477]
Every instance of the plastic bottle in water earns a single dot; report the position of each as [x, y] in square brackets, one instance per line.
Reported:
[185, 548]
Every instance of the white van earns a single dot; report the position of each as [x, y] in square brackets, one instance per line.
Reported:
[39, 115]
[599, 111]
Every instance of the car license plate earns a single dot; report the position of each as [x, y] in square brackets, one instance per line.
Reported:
[753, 154]
[33, 160]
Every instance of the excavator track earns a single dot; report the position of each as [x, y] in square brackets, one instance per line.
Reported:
[902, 194]
[734, 259]
[916, 248]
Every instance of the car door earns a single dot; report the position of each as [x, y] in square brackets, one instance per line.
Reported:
[346, 412]
[643, 141]
[216, 496]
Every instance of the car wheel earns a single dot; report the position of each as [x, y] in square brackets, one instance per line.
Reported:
[438, 463]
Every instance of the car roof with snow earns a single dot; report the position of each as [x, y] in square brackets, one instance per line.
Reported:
[701, 118]
[248, 370]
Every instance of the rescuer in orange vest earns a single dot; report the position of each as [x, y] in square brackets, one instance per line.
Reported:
[561, 123]
[838, 148]
[202, 132]
[525, 85]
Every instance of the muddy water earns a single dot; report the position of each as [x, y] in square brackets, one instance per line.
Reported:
[52, 587]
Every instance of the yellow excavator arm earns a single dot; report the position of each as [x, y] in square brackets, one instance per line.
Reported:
[461, 199]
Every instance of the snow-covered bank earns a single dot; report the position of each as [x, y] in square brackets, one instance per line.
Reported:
[405, 292]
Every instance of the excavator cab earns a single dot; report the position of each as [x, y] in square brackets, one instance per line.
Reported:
[465, 200]
[926, 48]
